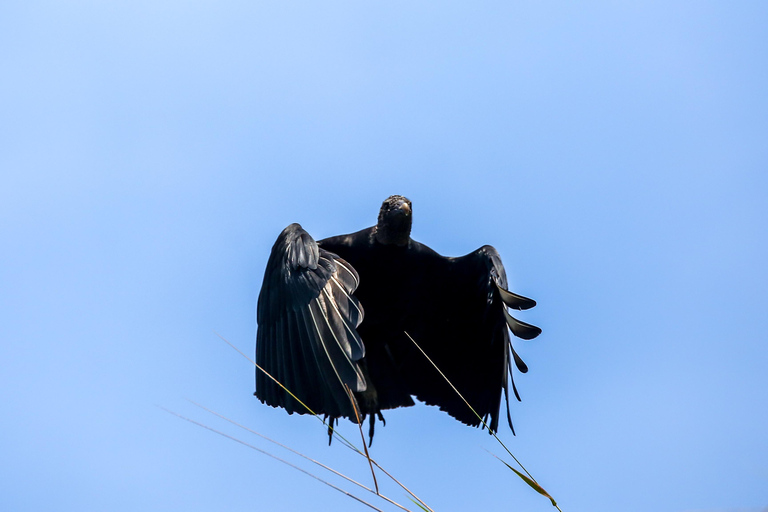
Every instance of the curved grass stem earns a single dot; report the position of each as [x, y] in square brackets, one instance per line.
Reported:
[329, 426]
[527, 479]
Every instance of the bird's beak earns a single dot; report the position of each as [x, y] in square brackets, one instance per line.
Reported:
[405, 208]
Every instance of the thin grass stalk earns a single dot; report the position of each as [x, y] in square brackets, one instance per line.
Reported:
[412, 496]
[342, 439]
[328, 468]
[347, 493]
[537, 486]
[362, 437]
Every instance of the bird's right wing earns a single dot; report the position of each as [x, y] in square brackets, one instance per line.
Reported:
[307, 335]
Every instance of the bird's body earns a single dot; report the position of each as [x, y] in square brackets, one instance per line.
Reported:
[354, 317]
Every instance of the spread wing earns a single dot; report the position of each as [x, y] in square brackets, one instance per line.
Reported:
[462, 322]
[307, 328]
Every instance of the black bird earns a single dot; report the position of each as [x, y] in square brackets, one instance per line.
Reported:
[336, 312]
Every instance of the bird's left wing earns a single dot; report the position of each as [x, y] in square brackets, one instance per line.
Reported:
[466, 334]
[307, 338]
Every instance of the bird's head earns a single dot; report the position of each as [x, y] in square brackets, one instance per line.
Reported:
[394, 225]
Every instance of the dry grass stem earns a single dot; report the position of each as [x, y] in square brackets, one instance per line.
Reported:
[527, 479]
[285, 461]
[336, 434]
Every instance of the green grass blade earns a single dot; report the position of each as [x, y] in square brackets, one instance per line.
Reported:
[420, 505]
[534, 485]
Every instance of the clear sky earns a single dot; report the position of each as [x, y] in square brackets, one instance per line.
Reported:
[615, 153]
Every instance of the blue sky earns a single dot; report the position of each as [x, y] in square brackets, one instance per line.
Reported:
[615, 153]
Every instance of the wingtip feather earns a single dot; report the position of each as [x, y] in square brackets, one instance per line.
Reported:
[521, 329]
[514, 300]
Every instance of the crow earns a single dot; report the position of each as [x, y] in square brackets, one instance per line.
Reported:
[355, 312]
